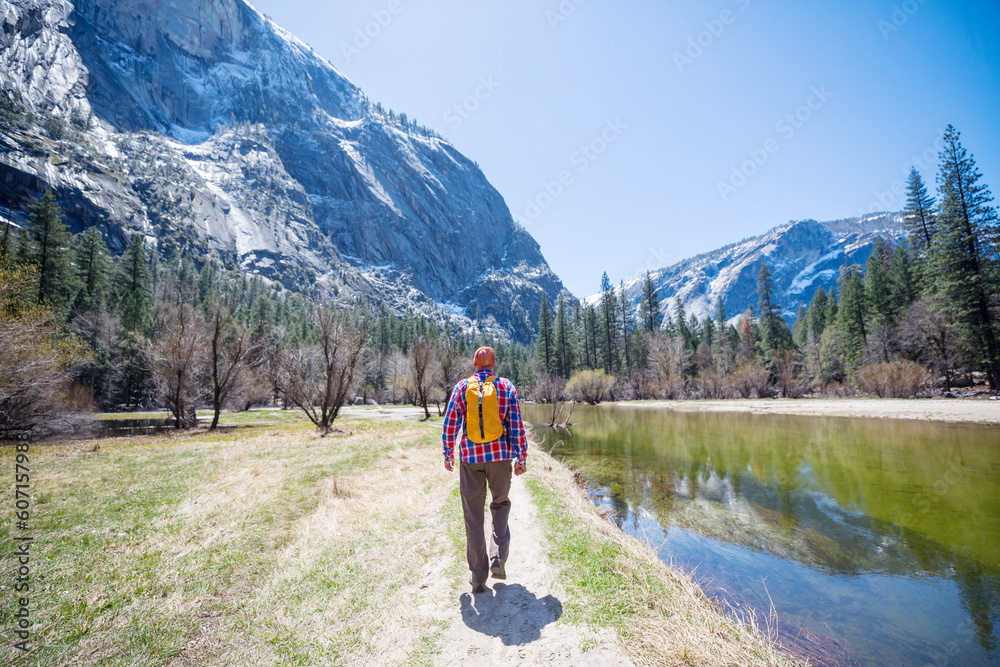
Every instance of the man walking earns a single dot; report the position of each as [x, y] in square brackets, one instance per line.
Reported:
[484, 413]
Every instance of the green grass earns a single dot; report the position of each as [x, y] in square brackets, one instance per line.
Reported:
[602, 595]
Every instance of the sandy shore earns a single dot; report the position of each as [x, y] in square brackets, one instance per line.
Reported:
[952, 410]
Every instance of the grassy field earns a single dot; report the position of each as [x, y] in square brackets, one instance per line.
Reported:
[266, 544]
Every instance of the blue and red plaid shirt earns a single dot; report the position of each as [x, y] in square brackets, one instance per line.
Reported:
[511, 445]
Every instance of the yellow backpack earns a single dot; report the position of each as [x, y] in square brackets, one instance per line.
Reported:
[482, 411]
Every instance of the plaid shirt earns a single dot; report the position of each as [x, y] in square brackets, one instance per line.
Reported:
[512, 444]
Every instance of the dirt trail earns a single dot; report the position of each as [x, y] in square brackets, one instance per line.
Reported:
[516, 621]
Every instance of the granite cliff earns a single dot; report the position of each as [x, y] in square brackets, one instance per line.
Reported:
[206, 127]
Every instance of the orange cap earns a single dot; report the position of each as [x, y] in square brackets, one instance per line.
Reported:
[485, 357]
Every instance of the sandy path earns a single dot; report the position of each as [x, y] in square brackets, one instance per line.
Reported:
[953, 410]
[516, 621]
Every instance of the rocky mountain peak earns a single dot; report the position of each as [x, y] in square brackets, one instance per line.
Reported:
[341, 189]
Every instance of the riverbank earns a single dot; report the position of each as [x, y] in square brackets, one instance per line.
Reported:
[982, 411]
[267, 544]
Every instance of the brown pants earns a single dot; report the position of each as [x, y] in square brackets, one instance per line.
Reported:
[472, 481]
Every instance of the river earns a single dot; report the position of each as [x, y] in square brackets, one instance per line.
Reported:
[858, 541]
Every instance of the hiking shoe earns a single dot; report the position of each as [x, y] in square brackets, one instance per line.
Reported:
[477, 586]
[496, 569]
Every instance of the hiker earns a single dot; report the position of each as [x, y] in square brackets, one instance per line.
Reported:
[492, 436]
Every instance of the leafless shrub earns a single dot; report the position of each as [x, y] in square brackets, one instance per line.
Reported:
[37, 362]
[642, 384]
[749, 379]
[422, 356]
[589, 386]
[789, 371]
[318, 378]
[547, 388]
[711, 383]
[254, 389]
[178, 362]
[898, 379]
[398, 377]
[230, 346]
[929, 333]
[452, 367]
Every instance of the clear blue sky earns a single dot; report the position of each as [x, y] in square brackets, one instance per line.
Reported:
[883, 77]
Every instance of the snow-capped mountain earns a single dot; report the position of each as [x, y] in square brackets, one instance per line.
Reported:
[204, 125]
[802, 256]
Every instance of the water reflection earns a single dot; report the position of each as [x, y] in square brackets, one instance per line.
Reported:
[881, 536]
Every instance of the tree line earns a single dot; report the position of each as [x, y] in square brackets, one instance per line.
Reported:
[919, 310]
[89, 331]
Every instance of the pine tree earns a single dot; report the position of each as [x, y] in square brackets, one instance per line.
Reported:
[591, 336]
[720, 313]
[649, 305]
[134, 298]
[965, 251]
[563, 340]
[708, 331]
[208, 281]
[93, 270]
[681, 325]
[832, 306]
[918, 216]
[694, 329]
[903, 288]
[774, 331]
[878, 303]
[628, 326]
[609, 325]
[48, 246]
[545, 342]
[817, 313]
[800, 330]
[852, 314]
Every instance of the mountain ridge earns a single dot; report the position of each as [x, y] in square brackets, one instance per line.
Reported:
[207, 127]
[803, 256]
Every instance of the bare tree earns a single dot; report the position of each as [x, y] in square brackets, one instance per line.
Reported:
[930, 333]
[230, 346]
[452, 367]
[318, 378]
[670, 361]
[177, 361]
[422, 354]
[398, 374]
[749, 379]
[789, 373]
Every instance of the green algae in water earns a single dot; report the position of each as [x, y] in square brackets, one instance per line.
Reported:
[881, 536]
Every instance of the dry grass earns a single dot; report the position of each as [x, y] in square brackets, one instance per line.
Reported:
[257, 546]
[662, 616]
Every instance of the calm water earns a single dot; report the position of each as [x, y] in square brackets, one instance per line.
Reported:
[876, 542]
[113, 428]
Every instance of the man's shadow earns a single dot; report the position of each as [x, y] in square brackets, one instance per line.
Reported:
[512, 613]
